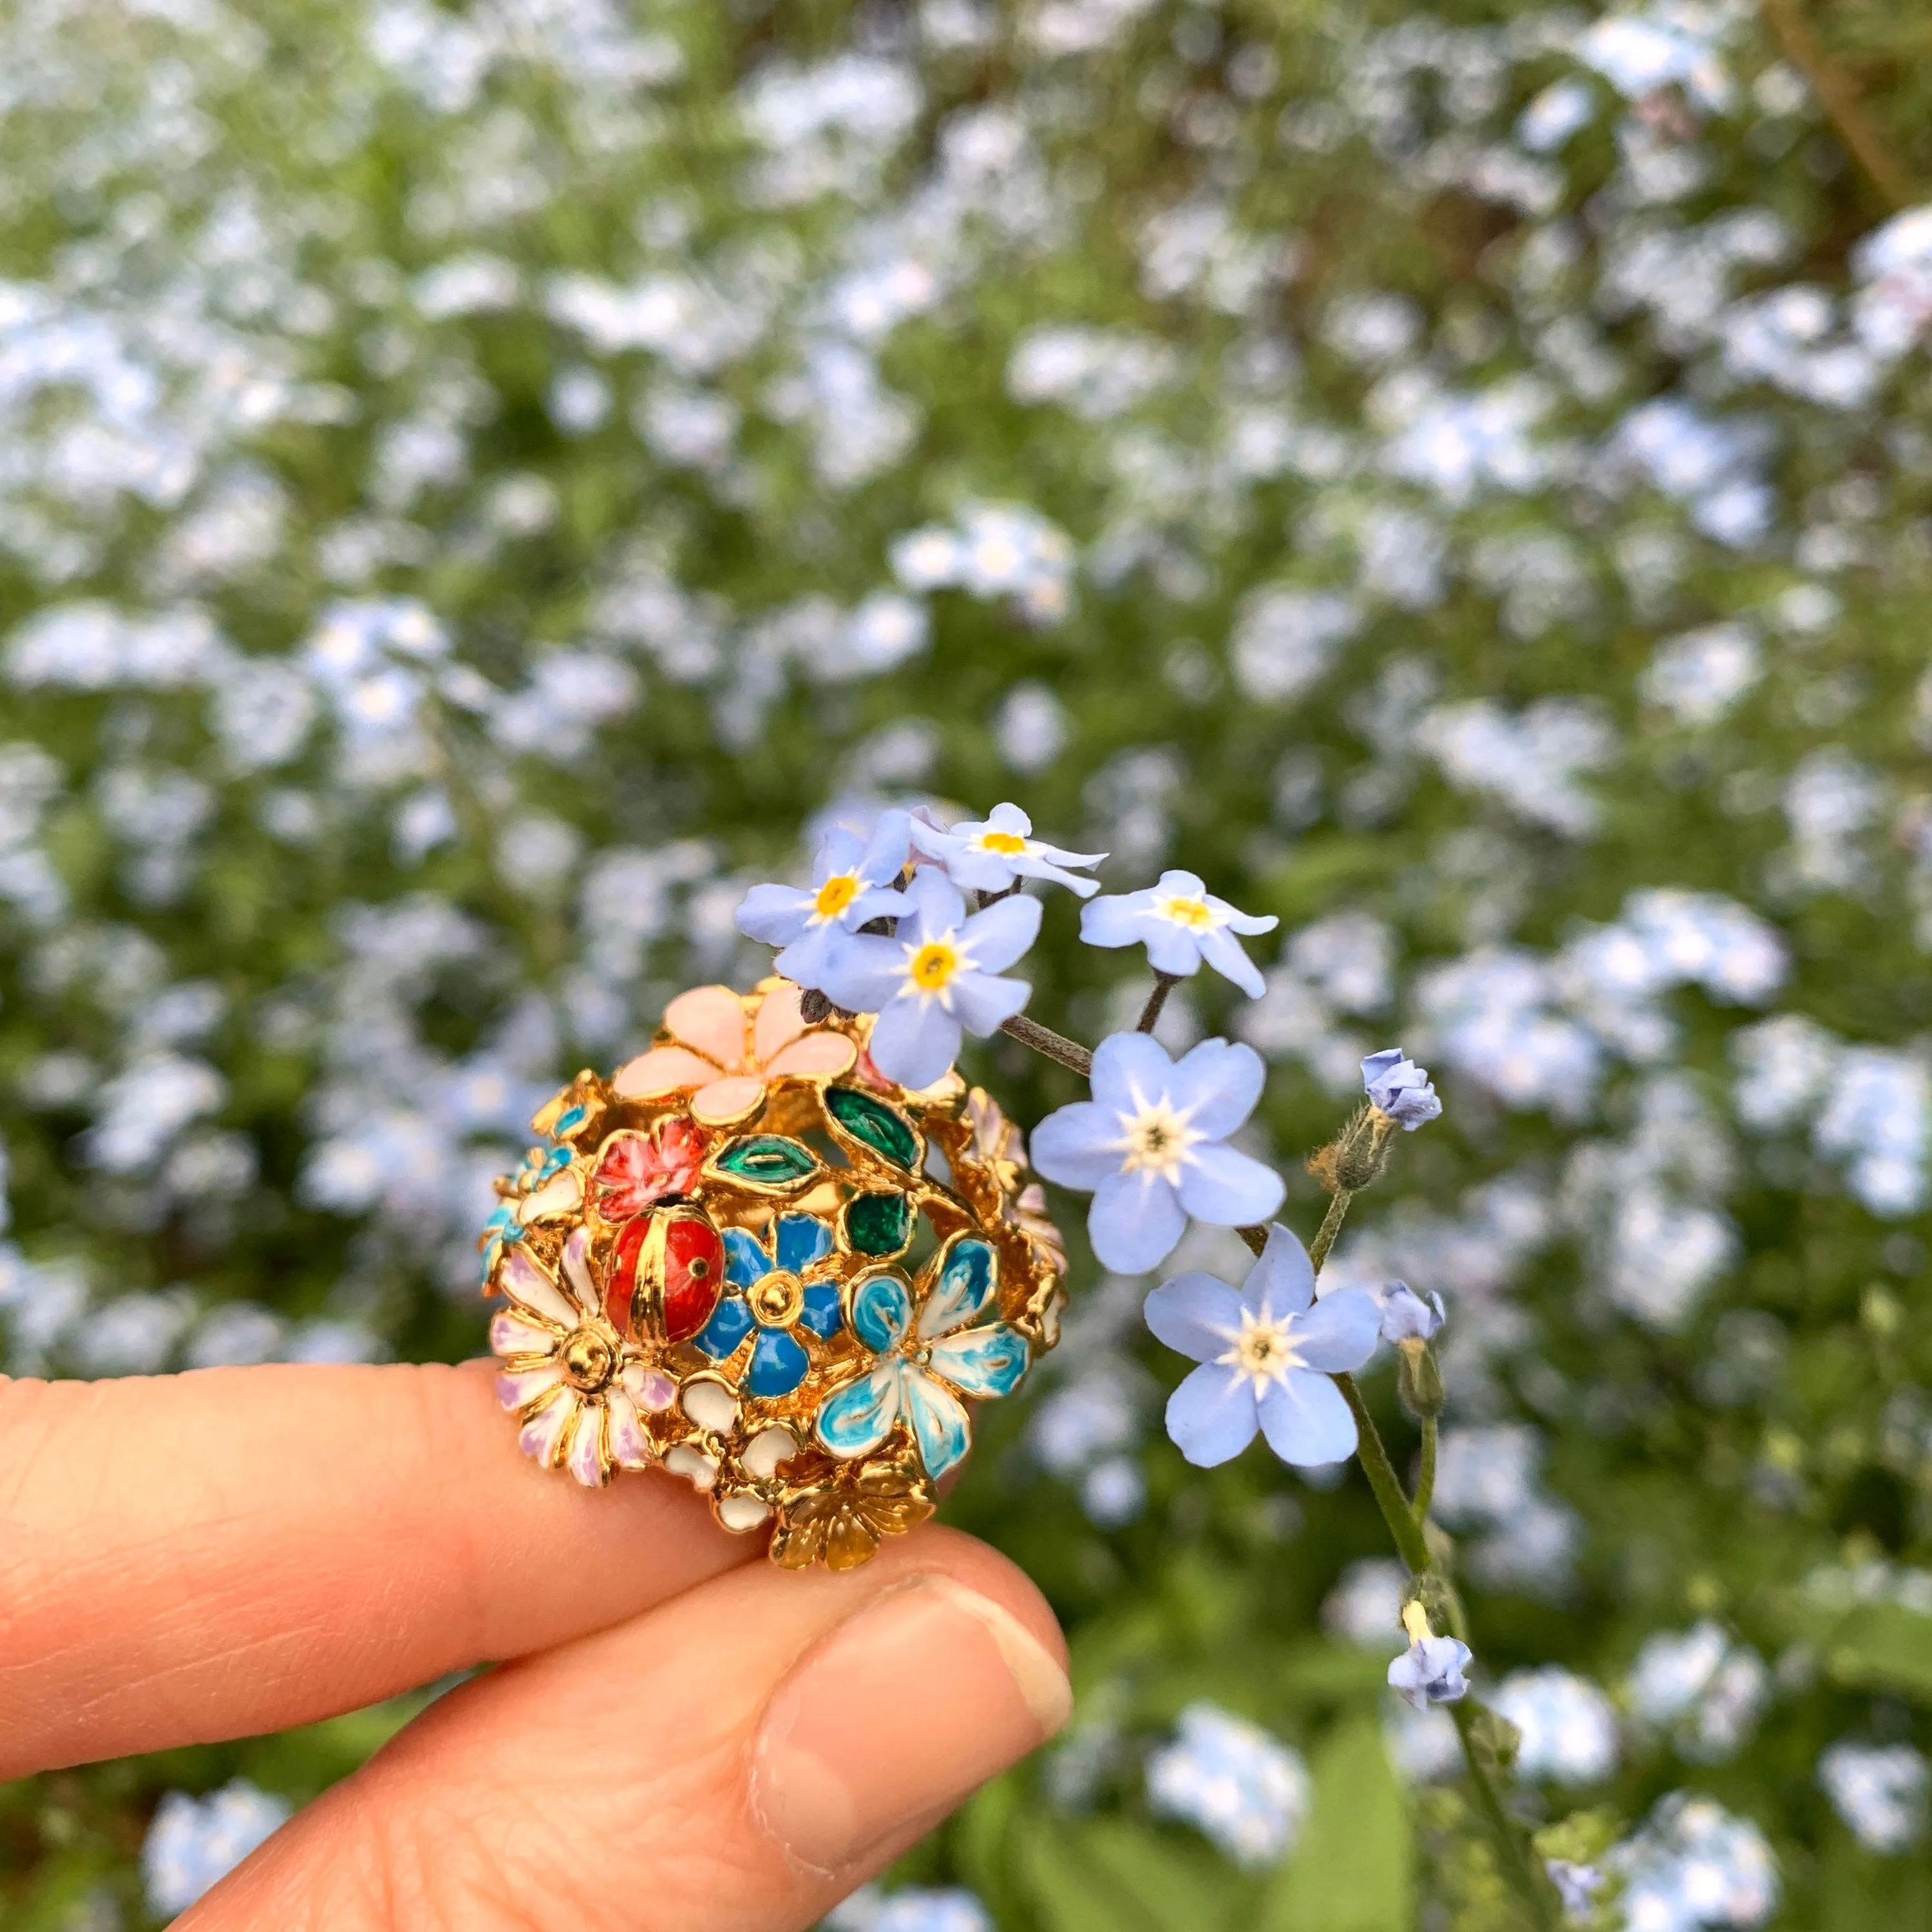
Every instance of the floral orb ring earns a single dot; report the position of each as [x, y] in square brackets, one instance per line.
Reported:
[749, 1259]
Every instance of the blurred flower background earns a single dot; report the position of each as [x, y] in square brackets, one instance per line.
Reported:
[478, 483]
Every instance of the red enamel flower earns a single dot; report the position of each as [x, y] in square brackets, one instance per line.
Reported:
[638, 1170]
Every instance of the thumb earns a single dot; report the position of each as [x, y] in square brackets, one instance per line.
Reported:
[739, 1758]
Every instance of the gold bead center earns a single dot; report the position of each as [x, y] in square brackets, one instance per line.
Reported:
[588, 1360]
[777, 1301]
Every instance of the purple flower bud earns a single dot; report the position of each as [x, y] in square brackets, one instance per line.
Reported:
[1409, 1317]
[1430, 1671]
[1399, 1088]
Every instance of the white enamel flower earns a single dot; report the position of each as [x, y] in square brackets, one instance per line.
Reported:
[580, 1390]
[722, 1452]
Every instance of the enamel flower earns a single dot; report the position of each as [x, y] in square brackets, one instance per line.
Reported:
[936, 977]
[852, 882]
[581, 1393]
[724, 1057]
[1181, 923]
[764, 1292]
[1266, 1353]
[1151, 1146]
[988, 855]
[722, 1454]
[636, 1171]
[930, 1352]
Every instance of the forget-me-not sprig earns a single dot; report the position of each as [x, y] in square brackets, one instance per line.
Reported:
[1181, 923]
[1151, 1146]
[936, 976]
[852, 883]
[1409, 1317]
[1268, 1351]
[1398, 1087]
[988, 855]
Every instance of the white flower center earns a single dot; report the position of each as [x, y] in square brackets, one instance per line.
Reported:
[1195, 914]
[1007, 844]
[1156, 1138]
[1262, 1351]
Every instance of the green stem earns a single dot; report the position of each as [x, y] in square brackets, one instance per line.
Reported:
[1403, 1526]
[1425, 1482]
[1508, 1834]
[1164, 983]
[1331, 1226]
[1404, 1520]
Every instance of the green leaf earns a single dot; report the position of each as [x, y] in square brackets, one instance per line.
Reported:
[1351, 1871]
[875, 1125]
[765, 1160]
[1883, 1647]
[1105, 1875]
[878, 1224]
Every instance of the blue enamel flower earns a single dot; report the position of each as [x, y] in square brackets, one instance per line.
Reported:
[1181, 923]
[1152, 1148]
[1267, 1352]
[763, 1291]
[931, 1352]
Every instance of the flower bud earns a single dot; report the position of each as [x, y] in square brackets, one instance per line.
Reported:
[1356, 1155]
[1418, 1380]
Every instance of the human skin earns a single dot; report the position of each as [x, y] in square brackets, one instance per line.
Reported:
[677, 1734]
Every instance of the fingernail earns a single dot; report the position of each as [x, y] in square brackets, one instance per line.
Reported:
[895, 1715]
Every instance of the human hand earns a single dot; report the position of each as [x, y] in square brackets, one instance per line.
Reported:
[680, 1735]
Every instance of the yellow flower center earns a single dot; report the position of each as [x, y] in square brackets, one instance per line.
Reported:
[1157, 1139]
[934, 965]
[836, 894]
[1008, 845]
[1193, 913]
[1261, 1353]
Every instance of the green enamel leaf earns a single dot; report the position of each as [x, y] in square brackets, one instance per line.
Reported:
[765, 1160]
[878, 1224]
[873, 1124]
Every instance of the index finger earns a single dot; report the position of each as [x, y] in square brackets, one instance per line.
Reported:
[186, 1557]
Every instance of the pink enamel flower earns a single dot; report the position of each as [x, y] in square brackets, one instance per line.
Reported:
[724, 1056]
[580, 1393]
[636, 1171]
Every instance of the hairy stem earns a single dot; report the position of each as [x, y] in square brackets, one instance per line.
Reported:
[1425, 1481]
[1043, 1039]
[1403, 1523]
[1164, 983]
[1331, 1226]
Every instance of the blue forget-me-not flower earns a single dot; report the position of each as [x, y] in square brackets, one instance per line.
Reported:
[852, 883]
[1181, 923]
[936, 977]
[1151, 1146]
[1268, 1351]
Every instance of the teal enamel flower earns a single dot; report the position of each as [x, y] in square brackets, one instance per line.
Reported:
[931, 1351]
